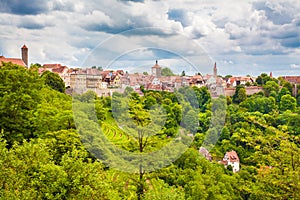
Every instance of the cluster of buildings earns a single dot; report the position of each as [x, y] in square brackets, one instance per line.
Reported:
[105, 82]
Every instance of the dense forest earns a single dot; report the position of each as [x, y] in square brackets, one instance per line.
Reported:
[51, 148]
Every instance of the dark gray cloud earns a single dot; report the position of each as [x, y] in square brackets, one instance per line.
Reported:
[291, 42]
[285, 34]
[21, 7]
[138, 28]
[64, 6]
[179, 15]
[106, 28]
[280, 16]
[31, 25]
[254, 30]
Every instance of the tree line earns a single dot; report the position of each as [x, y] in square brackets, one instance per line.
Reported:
[43, 156]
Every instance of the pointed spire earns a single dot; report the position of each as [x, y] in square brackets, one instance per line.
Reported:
[215, 70]
[156, 62]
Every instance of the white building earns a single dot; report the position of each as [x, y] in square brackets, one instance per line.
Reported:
[231, 158]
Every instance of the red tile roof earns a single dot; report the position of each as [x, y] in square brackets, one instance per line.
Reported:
[16, 61]
[292, 79]
[232, 156]
[156, 65]
[59, 70]
[52, 65]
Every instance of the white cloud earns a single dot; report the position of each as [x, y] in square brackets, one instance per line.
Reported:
[294, 66]
[243, 32]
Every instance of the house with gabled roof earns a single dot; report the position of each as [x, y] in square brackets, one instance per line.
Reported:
[62, 71]
[17, 61]
[231, 158]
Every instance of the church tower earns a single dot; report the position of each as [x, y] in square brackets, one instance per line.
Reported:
[215, 71]
[24, 51]
[156, 70]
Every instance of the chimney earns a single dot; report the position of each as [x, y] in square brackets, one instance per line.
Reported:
[24, 51]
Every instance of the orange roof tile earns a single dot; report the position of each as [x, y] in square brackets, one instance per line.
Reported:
[16, 61]
[52, 65]
[59, 70]
[156, 65]
[232, 156]
[292, 79]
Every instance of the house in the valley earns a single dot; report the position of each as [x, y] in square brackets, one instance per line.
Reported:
[231, 158]
[203, 151]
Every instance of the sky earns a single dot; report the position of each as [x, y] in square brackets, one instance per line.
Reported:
[243, 37]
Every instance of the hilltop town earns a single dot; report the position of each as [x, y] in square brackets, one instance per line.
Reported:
[105, 82]
[239, 142]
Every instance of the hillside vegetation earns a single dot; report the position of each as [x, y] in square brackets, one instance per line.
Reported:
[47, 137]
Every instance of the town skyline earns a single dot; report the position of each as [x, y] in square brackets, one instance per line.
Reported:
[248, 37]
[23, 61]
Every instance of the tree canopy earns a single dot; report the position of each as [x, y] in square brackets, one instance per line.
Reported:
[43, 154]
[54, 81]
[167, 72]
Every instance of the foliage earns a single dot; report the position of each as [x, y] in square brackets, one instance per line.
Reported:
[240, 94]
[287, 102]
[42, 155]
[19, 97]
[53, 80]
[269, 87]
[167, 72]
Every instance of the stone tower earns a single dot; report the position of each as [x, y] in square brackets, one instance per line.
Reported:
[24, 51]
[156, 70]
[215, 70]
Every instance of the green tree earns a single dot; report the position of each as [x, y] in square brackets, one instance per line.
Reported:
[182, 73]
[269, 87]
[283, 92]
[36, 65]
[264, 78]
[262, 104]
[54, 81]
[166, 72]
[287, 103]
[240, 94]
[19, 97]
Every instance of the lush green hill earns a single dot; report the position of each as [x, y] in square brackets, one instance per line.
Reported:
[42, 155]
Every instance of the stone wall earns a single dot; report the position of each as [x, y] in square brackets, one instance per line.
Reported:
[249, 90]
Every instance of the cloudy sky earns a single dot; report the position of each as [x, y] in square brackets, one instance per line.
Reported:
[243, 37]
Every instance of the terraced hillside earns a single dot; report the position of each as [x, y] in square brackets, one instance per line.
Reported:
[115, 134]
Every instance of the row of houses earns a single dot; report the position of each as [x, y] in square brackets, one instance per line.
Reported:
[91, 78]
[83, 79]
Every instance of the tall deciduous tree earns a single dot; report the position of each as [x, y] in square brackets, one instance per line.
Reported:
[287, 103]
[269, 87]
[19, 97]
[240, 94]
[167, 72]
[54, 81]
